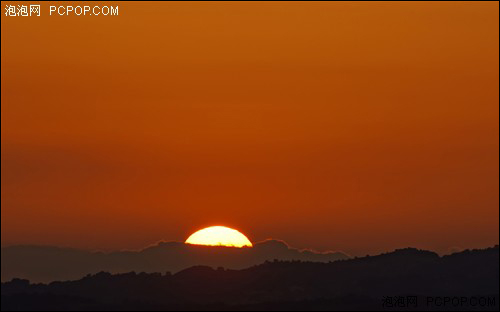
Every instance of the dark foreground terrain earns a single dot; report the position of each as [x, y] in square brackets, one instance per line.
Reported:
[406, 279]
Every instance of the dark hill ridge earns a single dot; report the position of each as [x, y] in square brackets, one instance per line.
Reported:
[46, 264]
[358, 283]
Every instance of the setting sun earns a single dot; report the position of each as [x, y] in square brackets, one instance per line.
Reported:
[219, 236]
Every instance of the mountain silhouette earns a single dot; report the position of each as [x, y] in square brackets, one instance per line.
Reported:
[46, 264]
[354, 284]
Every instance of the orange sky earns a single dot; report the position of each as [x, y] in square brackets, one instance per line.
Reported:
[360, 127]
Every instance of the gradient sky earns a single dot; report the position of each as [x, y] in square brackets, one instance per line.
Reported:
[360, 127]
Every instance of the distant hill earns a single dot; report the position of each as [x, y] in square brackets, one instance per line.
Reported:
[355, 284]
[46, 264]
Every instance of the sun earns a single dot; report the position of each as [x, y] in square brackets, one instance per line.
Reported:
[219, 236]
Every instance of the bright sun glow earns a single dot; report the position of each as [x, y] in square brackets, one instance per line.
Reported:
[219, 236]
